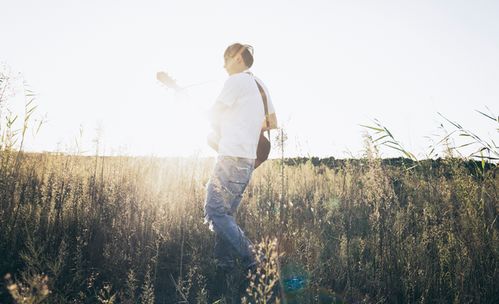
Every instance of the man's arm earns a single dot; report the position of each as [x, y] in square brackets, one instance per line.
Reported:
[215, 112]
[272, 118]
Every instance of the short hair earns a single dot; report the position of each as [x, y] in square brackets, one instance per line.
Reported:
[246, 51]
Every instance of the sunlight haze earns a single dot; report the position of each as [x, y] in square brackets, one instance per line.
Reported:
[330, 66]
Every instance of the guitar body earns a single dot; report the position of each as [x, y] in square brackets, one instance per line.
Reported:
[262, 151]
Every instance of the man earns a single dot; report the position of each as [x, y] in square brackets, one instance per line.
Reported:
[238, 116]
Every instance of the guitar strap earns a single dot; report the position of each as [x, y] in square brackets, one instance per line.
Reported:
[265, 106]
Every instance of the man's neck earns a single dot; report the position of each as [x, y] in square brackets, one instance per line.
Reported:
[241, 70]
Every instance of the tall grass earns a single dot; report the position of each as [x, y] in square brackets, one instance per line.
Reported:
[356, 231]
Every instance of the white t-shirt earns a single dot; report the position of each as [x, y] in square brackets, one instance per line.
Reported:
[241, 122]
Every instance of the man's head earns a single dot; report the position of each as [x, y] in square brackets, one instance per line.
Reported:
[238, 57]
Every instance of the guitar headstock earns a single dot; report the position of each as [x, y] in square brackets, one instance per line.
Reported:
[167, 80]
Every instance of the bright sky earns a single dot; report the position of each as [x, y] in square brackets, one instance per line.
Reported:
[329, 65]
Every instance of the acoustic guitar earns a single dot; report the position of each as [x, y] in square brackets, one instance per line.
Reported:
[263, 148]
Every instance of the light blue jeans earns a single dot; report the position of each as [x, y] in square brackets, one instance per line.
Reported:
[224, 193]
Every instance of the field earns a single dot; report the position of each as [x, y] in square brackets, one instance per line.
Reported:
[80, 229]
[382, 185]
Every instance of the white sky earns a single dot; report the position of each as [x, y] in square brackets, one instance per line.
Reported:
[329, 65]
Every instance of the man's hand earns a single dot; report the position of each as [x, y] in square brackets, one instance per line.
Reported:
[272, 119]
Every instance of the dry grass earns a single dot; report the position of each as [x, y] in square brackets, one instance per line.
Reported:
[113, 229]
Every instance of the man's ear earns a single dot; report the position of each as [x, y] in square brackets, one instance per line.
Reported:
[239, 59]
